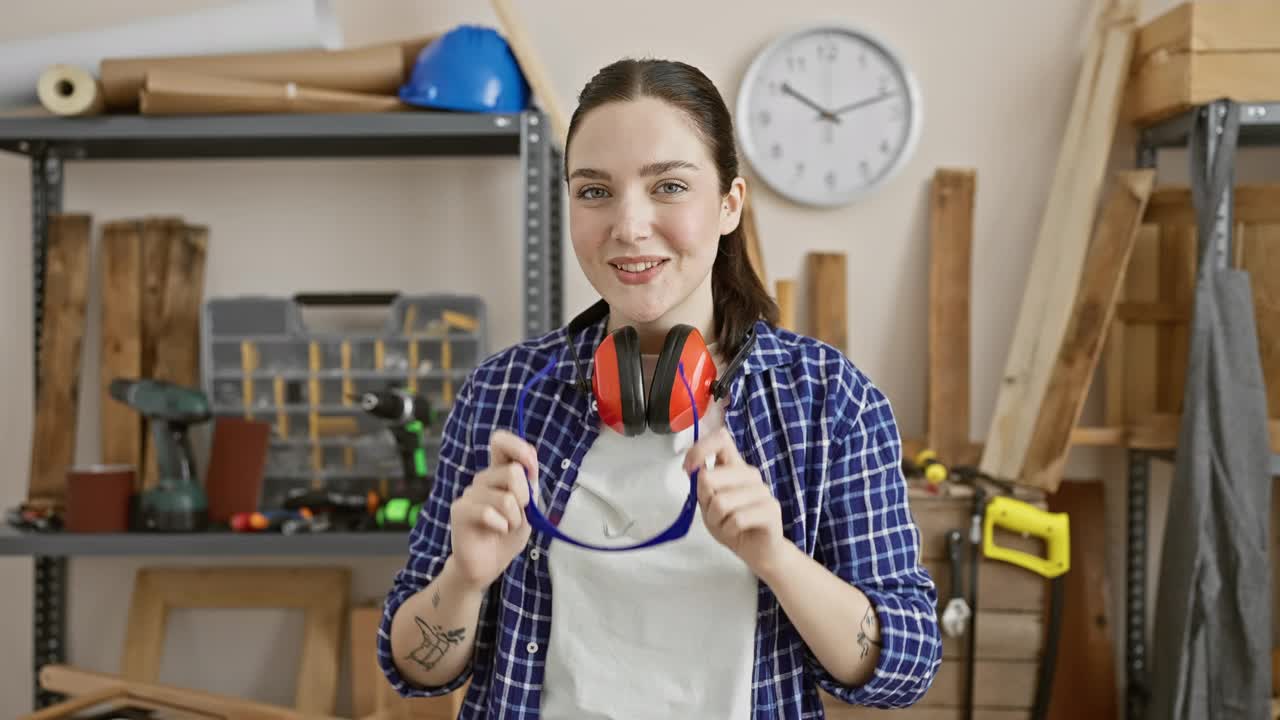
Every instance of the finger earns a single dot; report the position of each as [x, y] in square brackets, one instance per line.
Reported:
[728, 501]
[719, 446]
[754, 516]
[506, 447]
[502, 501]
[492, 519]
[471, 510]
[507, 478]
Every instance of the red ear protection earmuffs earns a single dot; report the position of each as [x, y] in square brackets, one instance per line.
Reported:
[618, 382]
[617, 379]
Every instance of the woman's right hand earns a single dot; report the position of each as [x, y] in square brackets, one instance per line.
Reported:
[488, 522]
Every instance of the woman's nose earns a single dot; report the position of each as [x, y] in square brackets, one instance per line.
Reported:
[634, 222]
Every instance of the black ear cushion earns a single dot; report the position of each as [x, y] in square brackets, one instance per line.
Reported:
[626, 343]
[666, 379]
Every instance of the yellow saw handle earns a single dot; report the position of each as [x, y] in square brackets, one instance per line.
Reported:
[1020, 517]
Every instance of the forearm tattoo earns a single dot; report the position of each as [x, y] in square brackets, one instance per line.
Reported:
[868, 627]
[435, 643]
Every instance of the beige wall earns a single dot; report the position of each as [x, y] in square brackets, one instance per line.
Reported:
[281, 227]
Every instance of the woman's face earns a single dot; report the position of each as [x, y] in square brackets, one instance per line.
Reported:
[645, 211]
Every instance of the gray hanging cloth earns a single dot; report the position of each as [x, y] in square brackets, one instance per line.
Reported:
[1212, 631]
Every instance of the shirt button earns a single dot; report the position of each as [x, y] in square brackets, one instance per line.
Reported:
[531, 647]
[564, 464]
[535, 554]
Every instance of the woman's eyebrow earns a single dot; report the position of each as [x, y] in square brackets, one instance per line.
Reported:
[590, 174]
[653, 168]
[666, 166]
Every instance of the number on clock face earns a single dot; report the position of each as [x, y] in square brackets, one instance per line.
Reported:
[826, 114]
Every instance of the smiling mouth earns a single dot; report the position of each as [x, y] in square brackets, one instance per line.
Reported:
[637, 268]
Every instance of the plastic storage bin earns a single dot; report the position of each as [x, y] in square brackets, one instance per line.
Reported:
[300, 364]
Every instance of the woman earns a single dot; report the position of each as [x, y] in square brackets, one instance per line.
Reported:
[800, 569]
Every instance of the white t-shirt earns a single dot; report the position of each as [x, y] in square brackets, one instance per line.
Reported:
[664, 632]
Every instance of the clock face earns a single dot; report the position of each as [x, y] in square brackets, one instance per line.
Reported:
[827, 114]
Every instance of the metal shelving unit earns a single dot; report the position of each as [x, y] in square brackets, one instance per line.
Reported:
[50, 142]
[1259, 126]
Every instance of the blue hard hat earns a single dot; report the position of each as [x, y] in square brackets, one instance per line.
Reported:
[469, 68]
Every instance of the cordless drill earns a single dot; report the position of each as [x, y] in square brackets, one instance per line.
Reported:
[177, 503]
[410, 415]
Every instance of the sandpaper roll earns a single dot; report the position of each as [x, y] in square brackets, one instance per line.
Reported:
[376, 70]
[69, 90]
[174, 92]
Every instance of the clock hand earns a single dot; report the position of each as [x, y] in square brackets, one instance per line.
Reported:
[822, 112]
[862, 103]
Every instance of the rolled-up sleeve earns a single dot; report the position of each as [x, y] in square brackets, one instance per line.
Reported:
[868, 537]
[429, 542]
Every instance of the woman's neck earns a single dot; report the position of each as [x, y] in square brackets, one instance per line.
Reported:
[697, 310]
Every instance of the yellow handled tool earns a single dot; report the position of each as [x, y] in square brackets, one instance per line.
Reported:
[1020, 517]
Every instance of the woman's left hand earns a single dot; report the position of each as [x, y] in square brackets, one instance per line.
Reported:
[737, 506]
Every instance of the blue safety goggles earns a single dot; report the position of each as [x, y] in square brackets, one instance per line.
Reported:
[678, 529]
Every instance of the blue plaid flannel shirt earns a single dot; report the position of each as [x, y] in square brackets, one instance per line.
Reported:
[823, 437]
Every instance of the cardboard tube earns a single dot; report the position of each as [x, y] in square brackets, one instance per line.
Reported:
[69, 90]
[228, 27]
[175, 92]
[377, 70]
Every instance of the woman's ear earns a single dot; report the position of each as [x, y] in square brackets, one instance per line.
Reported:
[731, 206]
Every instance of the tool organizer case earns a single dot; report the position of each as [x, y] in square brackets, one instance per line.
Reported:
[299, 363]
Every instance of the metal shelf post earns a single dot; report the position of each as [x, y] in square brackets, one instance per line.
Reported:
[49, 572]
[542, 282]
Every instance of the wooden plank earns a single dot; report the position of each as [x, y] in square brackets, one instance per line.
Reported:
[1141, 285]
[148, 616]
[996, 684]
[121, 339]
[1260, 246]
[1238, 25]
[785, 292]
[70, 680]
[950, 265]
[1152, 313]
[837, 710]
[1058, 260]
[1084, 682]
[1156, 431]
[537, 75]
[66, 282]
[1095, 302]
[1001, 587]
[1252, 204]
[177, 341]
[1170, 84]
[1176, 280]
[827, 306]
[1002, 635]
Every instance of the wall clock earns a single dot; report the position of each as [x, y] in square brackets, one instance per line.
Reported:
[826, 114]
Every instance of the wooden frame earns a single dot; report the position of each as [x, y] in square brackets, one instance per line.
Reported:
[321, 592]
[118, 699]
[77, 683]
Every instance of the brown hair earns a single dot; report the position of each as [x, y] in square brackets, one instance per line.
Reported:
[739, 295]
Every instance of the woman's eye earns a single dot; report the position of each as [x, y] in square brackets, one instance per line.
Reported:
[670, 188]
[592, 193]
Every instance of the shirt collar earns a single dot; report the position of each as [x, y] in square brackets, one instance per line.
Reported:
[581, 336]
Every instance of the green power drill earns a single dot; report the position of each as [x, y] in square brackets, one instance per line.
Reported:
[177, 503]
[410, 416]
